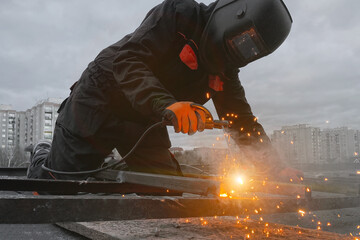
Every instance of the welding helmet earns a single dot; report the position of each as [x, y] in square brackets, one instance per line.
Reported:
[241, 31]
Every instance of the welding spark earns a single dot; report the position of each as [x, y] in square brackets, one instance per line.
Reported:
[301, 212]
[239, 180]
[223, 195]
[328, 224]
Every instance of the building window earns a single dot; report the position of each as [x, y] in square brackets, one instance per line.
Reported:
[48, 116]
[48, 109]
[48, 135]
[48, 123]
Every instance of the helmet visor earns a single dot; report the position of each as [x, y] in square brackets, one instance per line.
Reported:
[247, 46]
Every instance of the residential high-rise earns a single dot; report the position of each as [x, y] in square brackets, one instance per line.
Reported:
[338, 145]
[39, 121]
[299, 144]
[22, 128]
[19, 129]
[7, 127]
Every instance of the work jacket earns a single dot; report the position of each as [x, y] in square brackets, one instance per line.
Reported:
[157, 65]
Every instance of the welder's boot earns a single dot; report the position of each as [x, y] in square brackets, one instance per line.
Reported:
[38, 156]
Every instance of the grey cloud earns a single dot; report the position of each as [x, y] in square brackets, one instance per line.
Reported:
[313, 77]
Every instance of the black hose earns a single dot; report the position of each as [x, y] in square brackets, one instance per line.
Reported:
[111, 165]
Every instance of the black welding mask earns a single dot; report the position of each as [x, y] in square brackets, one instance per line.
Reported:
[241, 31]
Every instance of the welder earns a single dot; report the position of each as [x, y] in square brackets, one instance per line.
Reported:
[182, 53]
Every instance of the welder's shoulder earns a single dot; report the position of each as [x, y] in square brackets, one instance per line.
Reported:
[183, 6]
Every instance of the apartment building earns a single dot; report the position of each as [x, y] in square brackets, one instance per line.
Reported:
[338, 145]
[298, 144]
[39, 121]
[7, 127]
[22, 128]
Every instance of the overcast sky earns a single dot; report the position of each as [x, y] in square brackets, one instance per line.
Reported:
[312, 78]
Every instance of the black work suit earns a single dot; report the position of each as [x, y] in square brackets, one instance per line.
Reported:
[130, 83]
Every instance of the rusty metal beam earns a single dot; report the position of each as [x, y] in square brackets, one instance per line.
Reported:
[50, 209]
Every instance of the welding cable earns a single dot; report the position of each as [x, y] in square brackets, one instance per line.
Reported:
[163, 123]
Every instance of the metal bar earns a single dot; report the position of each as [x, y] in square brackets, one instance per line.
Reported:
[176, 183]
[51, 209]
[9, 171]
[73, 187]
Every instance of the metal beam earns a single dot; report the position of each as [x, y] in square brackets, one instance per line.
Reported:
[73, 187]
[51, 209]
[10, 171]
[176, 183]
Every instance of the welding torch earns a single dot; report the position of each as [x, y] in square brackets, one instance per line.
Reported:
[210, 123]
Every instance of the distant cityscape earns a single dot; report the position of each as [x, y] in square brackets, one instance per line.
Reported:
[303, 144]
[298, 144]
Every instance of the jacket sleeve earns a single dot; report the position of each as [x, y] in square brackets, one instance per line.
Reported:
[231, 105]
[249, 135]
[141, 54]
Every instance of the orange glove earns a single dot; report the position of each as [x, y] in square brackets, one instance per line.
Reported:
[185, 118]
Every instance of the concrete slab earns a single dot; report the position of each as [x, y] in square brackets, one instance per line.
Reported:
[196, 228]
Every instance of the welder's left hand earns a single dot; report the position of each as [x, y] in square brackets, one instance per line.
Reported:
[289, 174]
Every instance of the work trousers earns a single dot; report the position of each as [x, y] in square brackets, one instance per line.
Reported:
[71, 153]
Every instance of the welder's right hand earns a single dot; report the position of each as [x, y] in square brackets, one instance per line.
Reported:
[185, 118]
